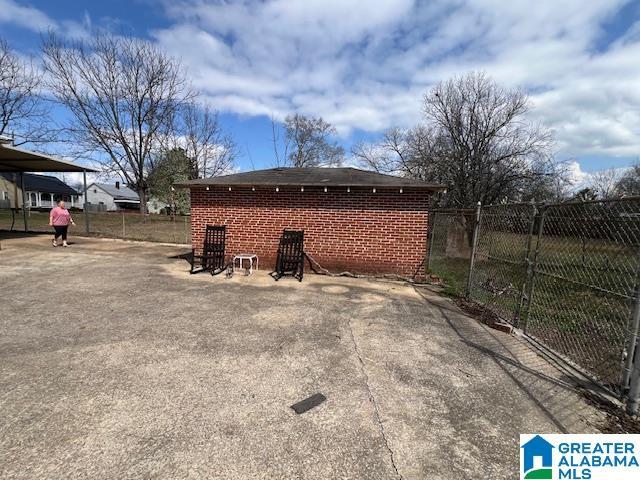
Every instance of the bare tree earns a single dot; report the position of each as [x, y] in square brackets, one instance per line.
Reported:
[307, 142]
[198, 133]
[629, 183]
[604, 183]
[550, 181]
[401, 152]
[585, 195]
[123, 95]
[475, 140]
[23, 111]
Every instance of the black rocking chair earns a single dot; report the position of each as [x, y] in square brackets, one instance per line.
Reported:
[212, 258]
[290, 260]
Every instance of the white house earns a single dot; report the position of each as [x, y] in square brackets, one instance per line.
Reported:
[112, 198]
[118, 197]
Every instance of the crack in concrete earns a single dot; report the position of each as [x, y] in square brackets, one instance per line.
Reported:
[372, 399]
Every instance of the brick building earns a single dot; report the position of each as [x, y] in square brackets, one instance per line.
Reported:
[354, 220]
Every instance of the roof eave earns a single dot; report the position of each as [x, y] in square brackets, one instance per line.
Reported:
[196, 184]
[39, 162]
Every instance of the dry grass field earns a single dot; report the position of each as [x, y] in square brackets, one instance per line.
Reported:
[131, 226]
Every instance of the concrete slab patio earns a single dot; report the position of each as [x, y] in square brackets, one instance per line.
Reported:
[115, 363]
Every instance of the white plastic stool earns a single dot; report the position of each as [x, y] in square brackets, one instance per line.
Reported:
[245, 256]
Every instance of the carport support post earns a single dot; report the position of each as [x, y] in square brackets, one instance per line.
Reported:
[474, 246]
[24, 203]
[87, 228]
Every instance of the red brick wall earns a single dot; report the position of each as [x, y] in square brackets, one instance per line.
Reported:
[359, 231]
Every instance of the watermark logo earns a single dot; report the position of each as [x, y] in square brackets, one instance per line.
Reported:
[579, 457]
[536, 458]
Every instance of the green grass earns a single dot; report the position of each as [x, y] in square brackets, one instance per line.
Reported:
[580, 305]
[131, 226]
[453, 272]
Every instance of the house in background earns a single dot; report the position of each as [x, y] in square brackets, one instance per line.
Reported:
[105, 197]
[42, 191]
[112, 198]
[10, 194]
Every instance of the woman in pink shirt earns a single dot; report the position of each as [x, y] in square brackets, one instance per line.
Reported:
[59, 219]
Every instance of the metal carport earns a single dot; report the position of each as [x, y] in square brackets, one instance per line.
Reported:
[17, 160]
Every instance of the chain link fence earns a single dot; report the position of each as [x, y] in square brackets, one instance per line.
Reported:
[499, 273]
[450, 233]
[567, 275]
[124, 225]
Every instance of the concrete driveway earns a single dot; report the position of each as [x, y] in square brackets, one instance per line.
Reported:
[115, 363]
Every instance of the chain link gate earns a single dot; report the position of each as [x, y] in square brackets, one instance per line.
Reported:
[587, 255]
[567, 275]
[499, 273]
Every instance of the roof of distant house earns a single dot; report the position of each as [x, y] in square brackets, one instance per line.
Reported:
[314, 176]
[42, 183]
[122, 193]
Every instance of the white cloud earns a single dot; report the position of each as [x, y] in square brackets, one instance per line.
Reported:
[580, 179]
[576, 176]
[25, 16]
[75, 179]
[365, 66]
[31, 18]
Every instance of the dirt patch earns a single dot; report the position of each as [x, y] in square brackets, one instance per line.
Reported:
[616, 420]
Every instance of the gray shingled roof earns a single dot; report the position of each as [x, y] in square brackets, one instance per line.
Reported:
[42, 183]
[122, 193]
[313, 176]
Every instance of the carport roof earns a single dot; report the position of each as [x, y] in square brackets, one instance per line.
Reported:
[314, 176]
[13, 159]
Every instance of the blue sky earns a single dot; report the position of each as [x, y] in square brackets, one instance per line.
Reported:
[364, 66]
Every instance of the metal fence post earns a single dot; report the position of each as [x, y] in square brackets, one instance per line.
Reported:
[633, 403]
[632, 340]
[432, 225]
[474, 246]
[531, 266]
[124, 228]
[528, 263]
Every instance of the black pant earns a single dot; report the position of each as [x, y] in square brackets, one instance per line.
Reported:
[61, 230]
